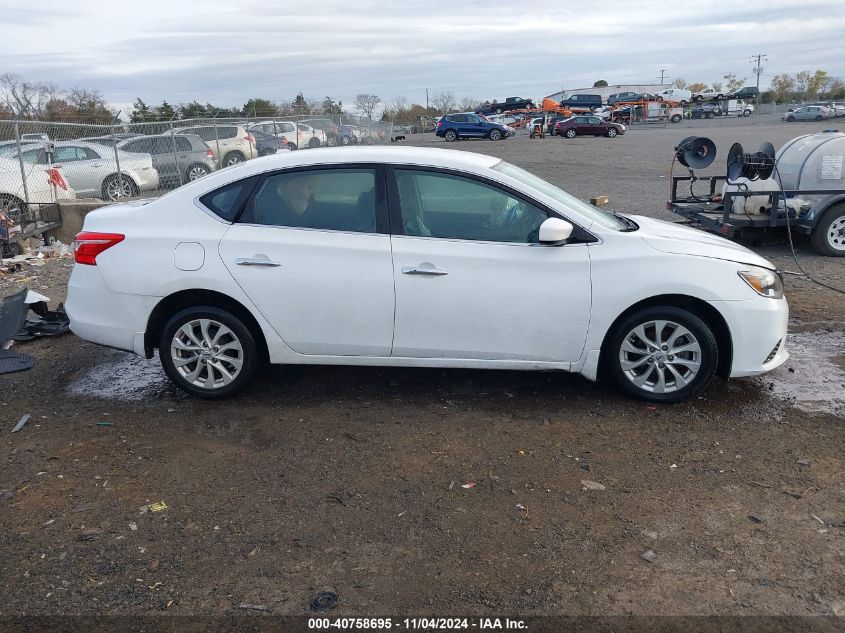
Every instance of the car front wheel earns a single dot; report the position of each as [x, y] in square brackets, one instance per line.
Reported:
[611, 132]
[662, 354]
[495, 135]
[208, 352]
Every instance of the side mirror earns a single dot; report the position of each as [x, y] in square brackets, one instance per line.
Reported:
[554, 232]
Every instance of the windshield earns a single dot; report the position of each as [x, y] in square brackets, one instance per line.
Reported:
[603, 218]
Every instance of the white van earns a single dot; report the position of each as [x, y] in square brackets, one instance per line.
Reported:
[675, 94]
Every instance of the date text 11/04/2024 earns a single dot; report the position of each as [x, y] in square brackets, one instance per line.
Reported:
[493, 624]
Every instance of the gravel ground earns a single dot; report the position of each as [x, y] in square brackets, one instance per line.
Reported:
[358, 480]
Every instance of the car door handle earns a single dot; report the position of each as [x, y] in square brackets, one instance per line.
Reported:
[97, 165]
[416, 270]
[255, 261]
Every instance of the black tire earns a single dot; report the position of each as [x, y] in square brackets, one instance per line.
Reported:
[675, 118]
[292, 147]
[119, 186]
[823, 237]
[345, 140]
[611, 132]
[495, 135]
[315, 142]
[331, 140]
[498, 110]
[450, 136]
[233, 158]
[570, 133]
[790, 118]
[710, 115]
[251, 357]
[196, 171]
[659, 99]
[819, 117]
[698, 98]
[708, 357]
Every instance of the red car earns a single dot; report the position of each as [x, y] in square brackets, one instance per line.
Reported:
[587, 126]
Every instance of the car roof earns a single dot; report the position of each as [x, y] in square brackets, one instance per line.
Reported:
[422, 156]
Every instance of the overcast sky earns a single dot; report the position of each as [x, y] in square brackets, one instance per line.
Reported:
[226, 52]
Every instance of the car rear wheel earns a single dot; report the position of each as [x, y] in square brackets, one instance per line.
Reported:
[197, 171]
[208, 352]
[119, 186]
[828, 236]
[450, 135]
[495, 135]
[570, 133]
[662, 354]
[291, 147]
[331, 141]
[675, 118]
[790, 118]
[314, 142]
[232, 158]
[819, 117]
[611, 132]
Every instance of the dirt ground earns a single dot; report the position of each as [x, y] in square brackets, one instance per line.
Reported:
[419, 491]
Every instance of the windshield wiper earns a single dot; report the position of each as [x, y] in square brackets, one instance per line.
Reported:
[630, 225]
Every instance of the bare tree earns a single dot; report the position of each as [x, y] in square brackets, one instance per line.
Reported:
[443, 102]
[25, 98]
[399, 105]
[679, 83]
[734, 83]
[367, 104]
[468, 104]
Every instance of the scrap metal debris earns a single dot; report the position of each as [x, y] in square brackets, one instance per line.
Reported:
[24, 419]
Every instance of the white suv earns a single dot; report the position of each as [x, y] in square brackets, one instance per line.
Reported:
[675, 94]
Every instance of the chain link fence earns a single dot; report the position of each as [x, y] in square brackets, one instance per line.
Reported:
[43, 162]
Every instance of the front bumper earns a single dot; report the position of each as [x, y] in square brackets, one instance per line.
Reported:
[758, 329]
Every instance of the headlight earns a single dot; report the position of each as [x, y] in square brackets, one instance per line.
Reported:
[765, 283]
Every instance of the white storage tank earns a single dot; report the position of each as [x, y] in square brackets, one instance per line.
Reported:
[813, 161]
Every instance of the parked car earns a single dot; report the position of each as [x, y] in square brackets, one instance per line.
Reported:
[587, 126]
[38, 187]
[266, 144]
[677, 95]
[621, 97]
[647, 96]
[10, 148]
[109, 141]
[451, 284]
[92, 170]
[581, 102]
[511, 103]
[470, 125]
[327, 131]
[35, 137]
[807, 113]
[748, 92]
[706, 111]
[235, 143]
[834, 109]
[708, 94]
[296, 135]
[178, 158]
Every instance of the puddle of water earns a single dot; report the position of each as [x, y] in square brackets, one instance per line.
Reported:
[813, 379]
[130, 377]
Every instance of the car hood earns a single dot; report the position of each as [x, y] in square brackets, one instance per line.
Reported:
[668, 237]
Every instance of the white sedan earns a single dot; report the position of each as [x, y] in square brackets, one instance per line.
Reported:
[417, 257]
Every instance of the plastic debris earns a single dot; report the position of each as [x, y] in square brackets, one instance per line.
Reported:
[469, 484]
[324, 600]
[592, 485]
[133, 526]
[803, 462]
[105, 423]
[24, 419]
[158, 506]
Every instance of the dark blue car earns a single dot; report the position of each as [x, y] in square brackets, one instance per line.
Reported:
[470, 125]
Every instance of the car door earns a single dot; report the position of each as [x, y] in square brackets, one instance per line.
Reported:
[163, 152]
[311, 250]
[84, 172]
[472, 282]
[475, 126]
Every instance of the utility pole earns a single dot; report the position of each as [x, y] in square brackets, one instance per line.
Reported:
[758, 70]
[662, 74]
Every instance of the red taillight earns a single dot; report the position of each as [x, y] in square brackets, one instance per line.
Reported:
[88, 245]
[209, 154]
[249, 138]
[439, 123]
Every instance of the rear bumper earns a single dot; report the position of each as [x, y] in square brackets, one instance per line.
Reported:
[102, 316]
[146, 179]
[758, 331]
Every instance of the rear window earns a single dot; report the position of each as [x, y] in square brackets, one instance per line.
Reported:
[227, 201]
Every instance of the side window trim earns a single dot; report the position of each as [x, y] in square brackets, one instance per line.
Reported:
[382, 220]
[397, 222]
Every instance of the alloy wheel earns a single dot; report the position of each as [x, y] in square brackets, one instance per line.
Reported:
[206, 354]
[118, 187]
[660, 356]
[196, 172]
